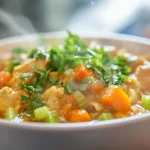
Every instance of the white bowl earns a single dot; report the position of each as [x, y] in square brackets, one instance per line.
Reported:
[130, 133]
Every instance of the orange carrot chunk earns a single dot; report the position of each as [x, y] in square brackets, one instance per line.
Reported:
[4, 78]
[79, 115]
[116, 98]
[81, 72]
[96, 87]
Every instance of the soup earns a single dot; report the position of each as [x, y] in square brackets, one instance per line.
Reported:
[73, 82]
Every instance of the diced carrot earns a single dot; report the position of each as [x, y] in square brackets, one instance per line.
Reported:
[81, 72]
[53, 74]
[116, 98]
[96, 87]
[65, 111]
[4, 78]
[79, 115]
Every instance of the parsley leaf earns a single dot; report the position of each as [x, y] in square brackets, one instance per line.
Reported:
[32, 53]
[13, 64]
[54, 81]
[28, 88]
[42, 54]
[70, 87]
[34, 102]
[44, 75]
[24, 98]
[25, 75]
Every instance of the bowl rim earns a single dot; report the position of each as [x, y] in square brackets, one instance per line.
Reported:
[85, 35]
[94, 125]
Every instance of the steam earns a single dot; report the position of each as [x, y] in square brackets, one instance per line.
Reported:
[18, 25]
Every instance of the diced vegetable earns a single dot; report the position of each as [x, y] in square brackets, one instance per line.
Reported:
[41, 113]
[98, 107]
[52, 118]
[79, 115]
[116, 98]
[133, 96]
[81, 72]
[10, 113]
[146, 101]
[4, 78]
[96, 87]
[105, 116]
[12, 64]
[80, 99]
[70, 87]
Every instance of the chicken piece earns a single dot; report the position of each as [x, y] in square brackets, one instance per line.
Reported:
[51, 97]
[56, 99]
[9, 98]
[29, 66]
[143, 76]
[135, 62]
[15, 82]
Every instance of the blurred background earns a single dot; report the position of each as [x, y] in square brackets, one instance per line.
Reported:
[19, 17]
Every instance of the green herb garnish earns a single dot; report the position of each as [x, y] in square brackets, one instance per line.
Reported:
[28, 88]
[54, 81]
[24, 98]
[42, 54]
[25, 75]
[13, 64]
[32, 53]
[70, 87]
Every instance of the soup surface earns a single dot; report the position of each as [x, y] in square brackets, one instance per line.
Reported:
[73, 82]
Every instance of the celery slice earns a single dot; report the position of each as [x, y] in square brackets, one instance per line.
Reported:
[146, 102]
[10, 113]
[80, 99]
[105, 116]
[52, 118]
[41, 113]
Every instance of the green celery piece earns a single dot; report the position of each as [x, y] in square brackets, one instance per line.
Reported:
[105, 116]
[145, 102]
[41, 113]
[52, 118]
[80, 99]
[10, 113]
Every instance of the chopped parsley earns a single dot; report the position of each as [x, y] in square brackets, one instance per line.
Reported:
[28, 88]
[25, 75]
[13, 64]
[70, 87]
[24, 98]
[41, 54]
[54, 81]
[32, 53]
